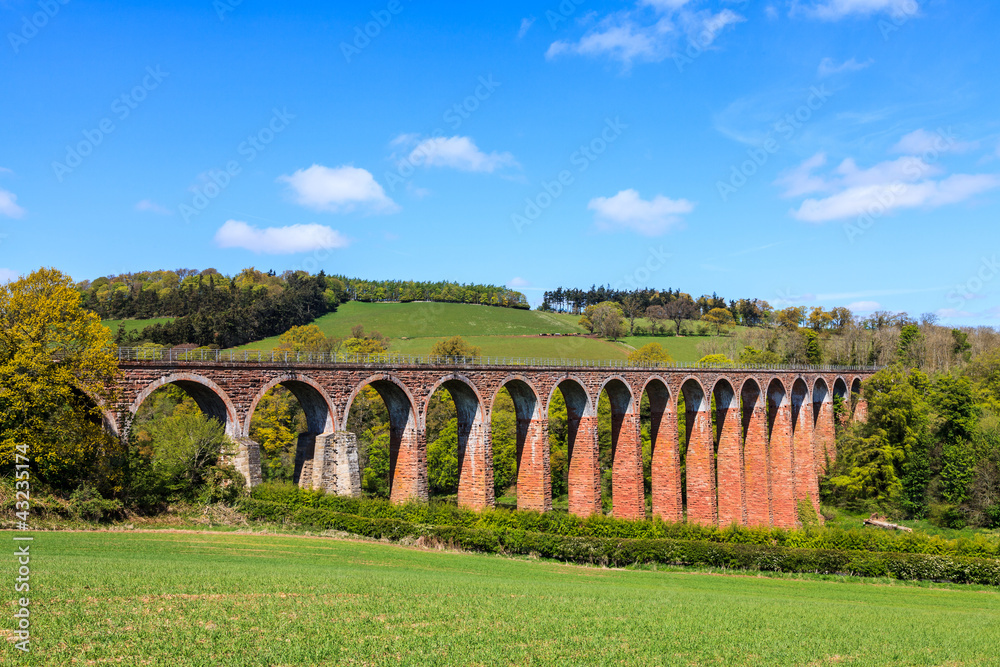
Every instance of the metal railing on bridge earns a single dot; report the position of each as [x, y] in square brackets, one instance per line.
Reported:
[291, 357]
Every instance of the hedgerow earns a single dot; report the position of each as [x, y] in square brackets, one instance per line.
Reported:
[558, 523]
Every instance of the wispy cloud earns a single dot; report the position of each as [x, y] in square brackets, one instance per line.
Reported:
[828, 67]
[652, 32]
[147, 205]
[6, 275]
[278, 240]
[921, 141]
[338, 190]
[906, 182]
[526, 24]
[454, 153]
[8, 204]
[628, 211]
[834, 10]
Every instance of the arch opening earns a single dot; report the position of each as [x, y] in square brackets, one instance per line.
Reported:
[392, 458]
[456, 445]
[291, 420]
[521, 452]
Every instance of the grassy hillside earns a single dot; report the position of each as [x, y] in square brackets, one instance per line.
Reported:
[134, 325]
[227, 599]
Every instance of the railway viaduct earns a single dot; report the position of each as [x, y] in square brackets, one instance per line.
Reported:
[772, 434]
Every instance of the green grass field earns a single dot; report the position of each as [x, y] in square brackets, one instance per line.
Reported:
[134, 325]
[180, 598]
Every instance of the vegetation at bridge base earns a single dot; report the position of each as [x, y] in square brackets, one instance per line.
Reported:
[930, 446]
[279, 502]
[489, 537]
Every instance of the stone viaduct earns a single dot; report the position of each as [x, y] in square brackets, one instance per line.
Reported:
[772, 435]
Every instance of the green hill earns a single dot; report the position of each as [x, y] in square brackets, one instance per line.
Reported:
[500, 332]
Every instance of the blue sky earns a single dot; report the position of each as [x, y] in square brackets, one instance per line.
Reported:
[825, 152]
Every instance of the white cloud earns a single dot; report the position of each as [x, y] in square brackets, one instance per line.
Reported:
[6, 275]
[278, 240]
[920, 142]
[833, 10]
[152, 207]
[907, 182]
[953, 312]
[627, 210]
[864, 306]
[515, 283]
[637, 36]
[801, 180]
[526, 24]
[338, 190]
[827, 66]
[8, 204]
[458, 153]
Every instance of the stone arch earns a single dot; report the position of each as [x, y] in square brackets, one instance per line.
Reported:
[700, 456]
[321, 416]
[756, 461]
[475, 463]
[628, 498]
[321, 461]
[581, 435]
[407, 451]
[779, 419]
[534, 487]
[729, 455]
[666, 468]
[109, 420]
[210, 398]
[214, 402]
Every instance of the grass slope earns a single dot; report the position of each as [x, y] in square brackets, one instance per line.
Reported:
[227, 599]
[135, 325]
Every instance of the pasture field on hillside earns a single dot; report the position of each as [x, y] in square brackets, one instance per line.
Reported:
[177, 598]
[134, 325]
[534, 347]
[423, 319]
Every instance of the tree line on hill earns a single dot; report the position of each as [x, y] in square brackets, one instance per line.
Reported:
[212, 309]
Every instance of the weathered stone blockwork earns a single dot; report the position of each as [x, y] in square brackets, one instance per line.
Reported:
[773, 430]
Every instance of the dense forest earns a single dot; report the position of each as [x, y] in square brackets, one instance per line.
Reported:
[212, 309]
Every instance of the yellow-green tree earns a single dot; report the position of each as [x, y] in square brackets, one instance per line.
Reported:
[307, 338]
[456, 346]
[652, 352]
[54, 356]
[720, 317]
[273, 427]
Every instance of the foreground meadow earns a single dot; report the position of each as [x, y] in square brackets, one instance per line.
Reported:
[177, 598]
